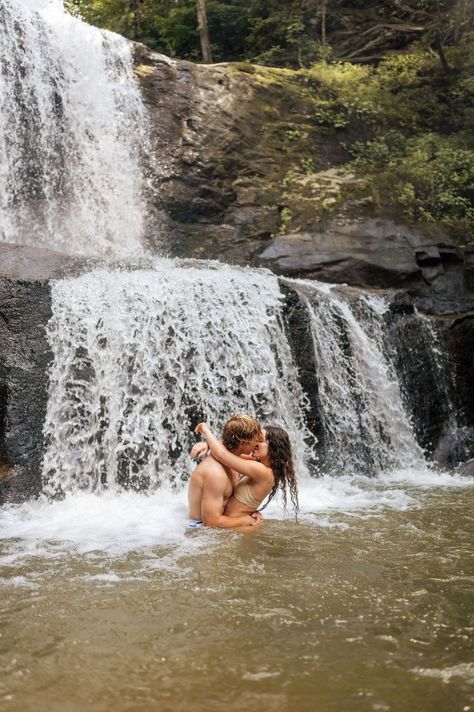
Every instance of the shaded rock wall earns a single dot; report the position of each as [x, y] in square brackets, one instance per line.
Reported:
[434, 361]
[301, 344]
[25, 356]
[244, 169]
[460, 339]
[422, 372]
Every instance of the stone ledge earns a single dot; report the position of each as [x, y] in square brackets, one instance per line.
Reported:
[34, 264]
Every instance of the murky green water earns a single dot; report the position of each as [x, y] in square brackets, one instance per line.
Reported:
[368, 612]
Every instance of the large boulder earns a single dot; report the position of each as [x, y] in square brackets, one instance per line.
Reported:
[367, 252]
[222, 139]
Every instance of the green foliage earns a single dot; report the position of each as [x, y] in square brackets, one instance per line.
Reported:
[406, 91]
[431, 176]
[419, 156]
[286, 34]
[178, 32]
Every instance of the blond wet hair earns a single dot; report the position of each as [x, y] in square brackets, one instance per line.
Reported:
[241, 429]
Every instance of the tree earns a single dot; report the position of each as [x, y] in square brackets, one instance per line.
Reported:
[204, 31]
[135, 10]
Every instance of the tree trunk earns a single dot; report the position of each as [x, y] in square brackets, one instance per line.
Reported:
[203, 31]
[440, 50]
[323, 30]
[135, 8]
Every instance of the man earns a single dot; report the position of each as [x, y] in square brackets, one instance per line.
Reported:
[212, 484]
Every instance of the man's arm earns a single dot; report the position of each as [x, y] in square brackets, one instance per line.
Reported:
[211, 508]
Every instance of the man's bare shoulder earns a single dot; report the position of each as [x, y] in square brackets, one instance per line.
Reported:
[209, 471]
[211, 466]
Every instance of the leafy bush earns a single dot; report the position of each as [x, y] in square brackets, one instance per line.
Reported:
[432, 176]
[405, 91]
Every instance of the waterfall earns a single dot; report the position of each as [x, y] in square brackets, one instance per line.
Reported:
[141, 356]
[365, 423]
[71, 132]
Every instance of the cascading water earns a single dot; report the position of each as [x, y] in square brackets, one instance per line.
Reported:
[366, 427]
[141, 356]
[71, 133]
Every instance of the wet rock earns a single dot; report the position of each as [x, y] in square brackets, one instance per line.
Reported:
[460, 348]
[25, 356]
[466, 468]
[456, 445]
[469, 270]
[23, 263]
[301, 344]
[422, 372]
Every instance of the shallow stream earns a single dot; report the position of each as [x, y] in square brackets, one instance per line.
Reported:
[365, 604]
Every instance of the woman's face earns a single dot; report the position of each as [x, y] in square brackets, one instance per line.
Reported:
[261, 449]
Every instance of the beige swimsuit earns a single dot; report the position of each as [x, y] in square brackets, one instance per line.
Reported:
[243, 494]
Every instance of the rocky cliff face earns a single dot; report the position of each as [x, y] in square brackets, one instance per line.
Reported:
[244, 169]
[24, 361]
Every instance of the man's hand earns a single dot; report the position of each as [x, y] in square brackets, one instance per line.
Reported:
[257, 517]
[199, 450]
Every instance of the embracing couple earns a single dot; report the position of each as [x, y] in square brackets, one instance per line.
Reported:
[247, 466]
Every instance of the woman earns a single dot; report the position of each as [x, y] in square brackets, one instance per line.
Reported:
[269, 468]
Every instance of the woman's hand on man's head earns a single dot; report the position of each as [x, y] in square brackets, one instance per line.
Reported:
[200, 427]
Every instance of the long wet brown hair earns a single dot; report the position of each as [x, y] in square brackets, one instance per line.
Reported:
[280, 458]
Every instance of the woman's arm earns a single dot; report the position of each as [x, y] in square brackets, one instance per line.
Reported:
[245, 467]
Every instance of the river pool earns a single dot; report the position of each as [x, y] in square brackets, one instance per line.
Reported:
[108, 603]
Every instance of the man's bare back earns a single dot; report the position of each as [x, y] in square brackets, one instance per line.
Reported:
[222, 480]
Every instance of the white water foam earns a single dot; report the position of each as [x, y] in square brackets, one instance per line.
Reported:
[140, 357]
[110, 524]
[448, 674]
